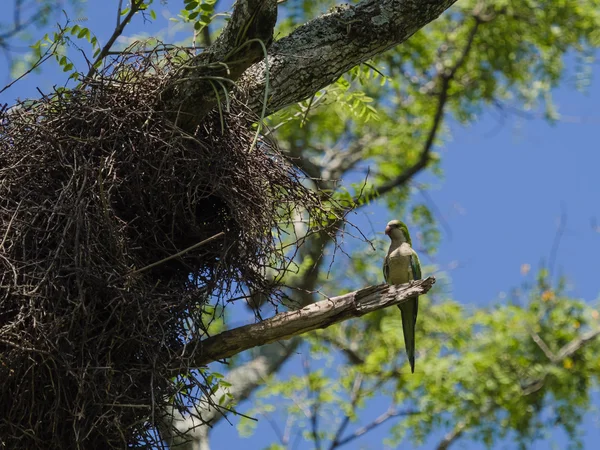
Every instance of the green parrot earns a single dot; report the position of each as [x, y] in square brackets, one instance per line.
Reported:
[401, 265]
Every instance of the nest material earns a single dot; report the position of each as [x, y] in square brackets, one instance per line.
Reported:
[95, 186]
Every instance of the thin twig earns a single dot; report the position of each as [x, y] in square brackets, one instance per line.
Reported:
[542, 345]
[389, 414]
[562, 224]
[356, 389]
[176, 255]
[135, 7]
[41, 60]
[314, 405]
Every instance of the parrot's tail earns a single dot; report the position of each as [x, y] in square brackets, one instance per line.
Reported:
[409, 312]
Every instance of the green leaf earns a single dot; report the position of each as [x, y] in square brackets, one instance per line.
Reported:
[83, 33]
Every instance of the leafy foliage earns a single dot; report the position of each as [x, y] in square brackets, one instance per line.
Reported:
[480, 370]
[200, 13]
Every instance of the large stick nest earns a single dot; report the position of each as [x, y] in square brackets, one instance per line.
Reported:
[95, 186]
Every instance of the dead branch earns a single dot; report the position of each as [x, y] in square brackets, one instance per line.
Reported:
[312, 317]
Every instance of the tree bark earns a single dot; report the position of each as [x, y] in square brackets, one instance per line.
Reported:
[317, 53]
[197, 87]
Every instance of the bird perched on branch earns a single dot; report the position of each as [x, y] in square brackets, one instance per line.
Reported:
[401, 265]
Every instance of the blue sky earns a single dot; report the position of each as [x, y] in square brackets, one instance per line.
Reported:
[505, 191]
[506, 184]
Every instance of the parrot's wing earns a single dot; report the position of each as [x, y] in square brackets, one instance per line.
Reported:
[386, 269]
[415, 266]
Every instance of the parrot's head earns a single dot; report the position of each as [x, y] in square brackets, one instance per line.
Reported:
[397, 231]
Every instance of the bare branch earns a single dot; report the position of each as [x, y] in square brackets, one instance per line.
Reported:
[356, 390]
[389, 414]
[312, 317]
[136, 5]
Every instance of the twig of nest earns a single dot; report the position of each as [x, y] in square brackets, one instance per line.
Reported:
[102, 205]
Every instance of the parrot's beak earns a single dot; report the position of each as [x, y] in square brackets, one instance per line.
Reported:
[387, 230]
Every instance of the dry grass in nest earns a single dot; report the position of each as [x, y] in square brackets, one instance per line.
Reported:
[95, 186]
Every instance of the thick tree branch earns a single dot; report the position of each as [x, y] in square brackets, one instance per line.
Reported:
[196, 88]
[317, 53]
[312, 317]
[246, 378]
